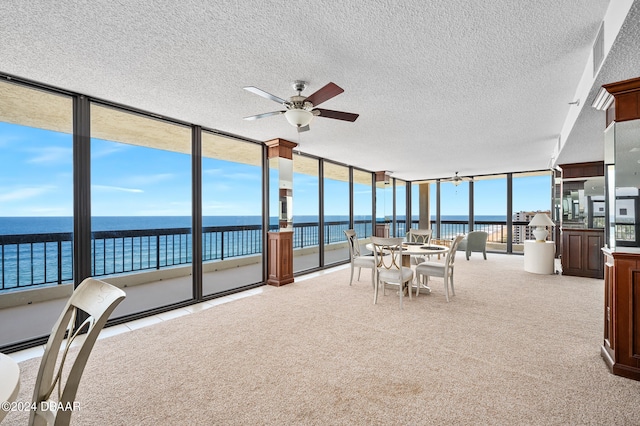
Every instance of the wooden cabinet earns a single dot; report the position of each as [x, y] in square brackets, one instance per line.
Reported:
[582, 252]
[280, 265]
[621, 345]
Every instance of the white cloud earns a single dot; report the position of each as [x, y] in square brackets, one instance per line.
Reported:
[6, 139]
[245, 176]
[115, 188]
[212, 172]
[106, 150]
[51, 155]
[23, 193]
[149, 179]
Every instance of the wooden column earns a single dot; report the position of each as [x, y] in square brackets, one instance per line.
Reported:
[280, 245]
[382, 229]
[425, 208]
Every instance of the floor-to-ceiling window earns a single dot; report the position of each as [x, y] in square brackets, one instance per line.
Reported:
[231, 213]
[306, 210]
[531, 194]
[454, 208]
[490, 209]
[141, 206]
[336, 212]
[362, 203]
[36, 210]
[401, 208]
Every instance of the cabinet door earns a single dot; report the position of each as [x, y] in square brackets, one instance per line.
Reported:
[626, 297]
[582, 253]
[592, 250]
[609, 336]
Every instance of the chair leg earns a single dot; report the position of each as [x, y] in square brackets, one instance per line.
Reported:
[351, 279]
[375, 292]
[453, 291]
[373, 277]
[359, 270]
[484, 253]
[446, 286]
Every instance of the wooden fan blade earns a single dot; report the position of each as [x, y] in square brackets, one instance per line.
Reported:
[264, 94]
[266, 114]
[324, 94]
[338, 115]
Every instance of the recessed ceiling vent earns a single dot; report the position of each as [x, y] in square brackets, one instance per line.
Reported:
[598, 50]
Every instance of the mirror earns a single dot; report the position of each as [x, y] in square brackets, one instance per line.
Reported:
[627, 183]
[583, 203]
[281, 194]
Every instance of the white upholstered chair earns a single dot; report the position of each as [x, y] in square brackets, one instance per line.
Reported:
[475, 241]
[357, 259]
[97, 299]
[388, 257]
[439, 269]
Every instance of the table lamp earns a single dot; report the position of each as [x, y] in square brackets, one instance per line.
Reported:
[541, 221]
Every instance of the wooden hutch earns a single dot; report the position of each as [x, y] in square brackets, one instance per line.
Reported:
[621, 346]
[583, 219]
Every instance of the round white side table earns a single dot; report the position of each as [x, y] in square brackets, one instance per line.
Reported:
[539, 257]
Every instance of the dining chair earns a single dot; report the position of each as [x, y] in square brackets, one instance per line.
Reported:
[388, 257]
[440, 269]
[357, 259]
[97, 300]
[422, 236]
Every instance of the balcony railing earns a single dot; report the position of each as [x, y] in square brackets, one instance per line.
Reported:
[497, 230]
[43, 259]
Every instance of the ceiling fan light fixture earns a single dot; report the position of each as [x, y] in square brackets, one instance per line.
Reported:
[298, 117]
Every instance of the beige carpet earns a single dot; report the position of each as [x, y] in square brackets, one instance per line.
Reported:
[510, 348]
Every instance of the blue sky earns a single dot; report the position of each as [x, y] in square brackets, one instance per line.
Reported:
[36, 179]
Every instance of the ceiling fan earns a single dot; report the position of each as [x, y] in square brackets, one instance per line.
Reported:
[457, 180]
[300, 110]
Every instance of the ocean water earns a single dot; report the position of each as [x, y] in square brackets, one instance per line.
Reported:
[52, 224]
[48, 225]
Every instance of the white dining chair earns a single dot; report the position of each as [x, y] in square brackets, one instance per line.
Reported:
[97, 299]
[421, 236]
[439, 269]
[357, 259]
[388, 257]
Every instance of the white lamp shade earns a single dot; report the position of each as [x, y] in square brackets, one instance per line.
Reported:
[298, 117]
[541, 219]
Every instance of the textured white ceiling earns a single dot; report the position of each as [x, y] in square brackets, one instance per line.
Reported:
[474, 87]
